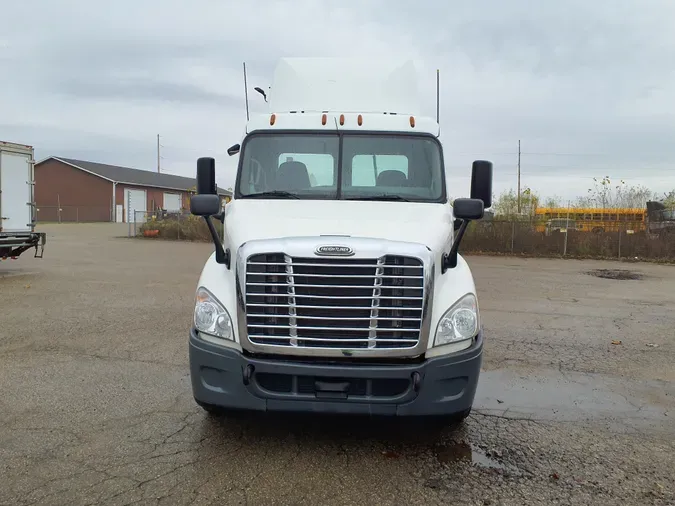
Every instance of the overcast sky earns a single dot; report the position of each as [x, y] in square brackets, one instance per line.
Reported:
[587, 86]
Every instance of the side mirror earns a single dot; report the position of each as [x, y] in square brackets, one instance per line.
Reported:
[205, 205]
[481, 182]
[468, 209]
[233, 150]
[206, 176]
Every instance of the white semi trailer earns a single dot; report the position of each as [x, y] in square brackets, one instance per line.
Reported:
[18, 212]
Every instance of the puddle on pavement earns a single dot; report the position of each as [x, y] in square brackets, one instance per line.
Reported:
[620, 274]
[547, 394]
[458, 452]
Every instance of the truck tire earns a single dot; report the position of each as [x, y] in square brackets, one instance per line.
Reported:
[450, 422]
[211, 409]
[217, 412]
[459, 418]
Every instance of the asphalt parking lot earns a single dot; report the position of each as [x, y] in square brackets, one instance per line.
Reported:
[576, 403]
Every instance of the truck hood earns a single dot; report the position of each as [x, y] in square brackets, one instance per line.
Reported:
[424, 223]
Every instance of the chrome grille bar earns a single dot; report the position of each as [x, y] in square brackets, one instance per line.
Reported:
[367, 276]
[348, 266]
[299, 295]
[342, 318]
[332, 286]
[336, 340]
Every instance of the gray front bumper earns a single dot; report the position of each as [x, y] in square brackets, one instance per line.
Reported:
[438, 386]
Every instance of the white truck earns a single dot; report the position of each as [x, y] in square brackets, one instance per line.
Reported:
[337, 286]
[17, 202]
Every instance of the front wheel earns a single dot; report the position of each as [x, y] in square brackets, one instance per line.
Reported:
[457, 419]
[452, 422]
[210, 408]
[218, 412]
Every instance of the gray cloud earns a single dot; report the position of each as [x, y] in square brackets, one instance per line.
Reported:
[585, 85]
[144, 90]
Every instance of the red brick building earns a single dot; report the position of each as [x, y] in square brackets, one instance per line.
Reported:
[77, 190]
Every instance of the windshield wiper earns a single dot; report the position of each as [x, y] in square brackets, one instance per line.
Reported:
[271, 194]
[385, 196]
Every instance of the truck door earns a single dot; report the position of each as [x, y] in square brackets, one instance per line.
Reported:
[15, 187]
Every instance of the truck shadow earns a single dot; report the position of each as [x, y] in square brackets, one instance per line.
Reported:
[384, 438]
[341, 427]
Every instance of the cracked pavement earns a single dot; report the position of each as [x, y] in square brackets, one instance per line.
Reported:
[96, 406]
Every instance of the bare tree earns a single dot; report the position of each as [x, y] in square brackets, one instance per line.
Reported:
[554, 201]
[606, 194]
[634, 196]
[506, 205]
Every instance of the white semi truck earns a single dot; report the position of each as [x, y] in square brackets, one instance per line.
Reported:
[337, 286]
[17, 202]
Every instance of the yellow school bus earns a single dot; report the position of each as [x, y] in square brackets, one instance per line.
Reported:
[596, 220]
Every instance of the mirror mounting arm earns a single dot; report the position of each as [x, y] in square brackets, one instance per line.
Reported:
[449, 260]
[222, 255]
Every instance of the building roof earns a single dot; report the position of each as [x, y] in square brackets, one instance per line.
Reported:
[127, 175]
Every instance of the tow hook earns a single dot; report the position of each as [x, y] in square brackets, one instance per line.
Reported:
[416, 381]
[248, 374]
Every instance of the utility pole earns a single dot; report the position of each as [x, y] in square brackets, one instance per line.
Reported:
[518, 176]
[158, 157]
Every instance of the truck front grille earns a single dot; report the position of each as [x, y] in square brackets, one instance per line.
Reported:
[334, 303]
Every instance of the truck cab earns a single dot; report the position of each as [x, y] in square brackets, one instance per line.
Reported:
[337, 286]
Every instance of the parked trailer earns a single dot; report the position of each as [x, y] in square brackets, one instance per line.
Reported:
[660, 219]
[17, 202]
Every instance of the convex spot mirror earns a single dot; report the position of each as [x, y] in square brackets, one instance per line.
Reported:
[468, 209]
[205, 205]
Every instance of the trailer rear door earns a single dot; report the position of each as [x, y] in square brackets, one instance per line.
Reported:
[16, 180]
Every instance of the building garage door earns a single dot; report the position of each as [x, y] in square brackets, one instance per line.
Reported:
[172, 202]
[134, 201]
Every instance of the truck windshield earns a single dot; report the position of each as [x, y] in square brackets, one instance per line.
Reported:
[345, 166]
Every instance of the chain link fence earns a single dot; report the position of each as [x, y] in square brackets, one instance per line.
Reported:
[73, 214]
[523, 238]
[178, 225]
[502, 237]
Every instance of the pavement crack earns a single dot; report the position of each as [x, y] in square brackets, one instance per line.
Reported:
[536, 421]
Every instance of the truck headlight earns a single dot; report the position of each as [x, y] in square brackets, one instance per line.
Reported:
[459, 323]
[210, 316]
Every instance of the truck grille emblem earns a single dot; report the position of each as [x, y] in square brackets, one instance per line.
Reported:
[334, 251]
